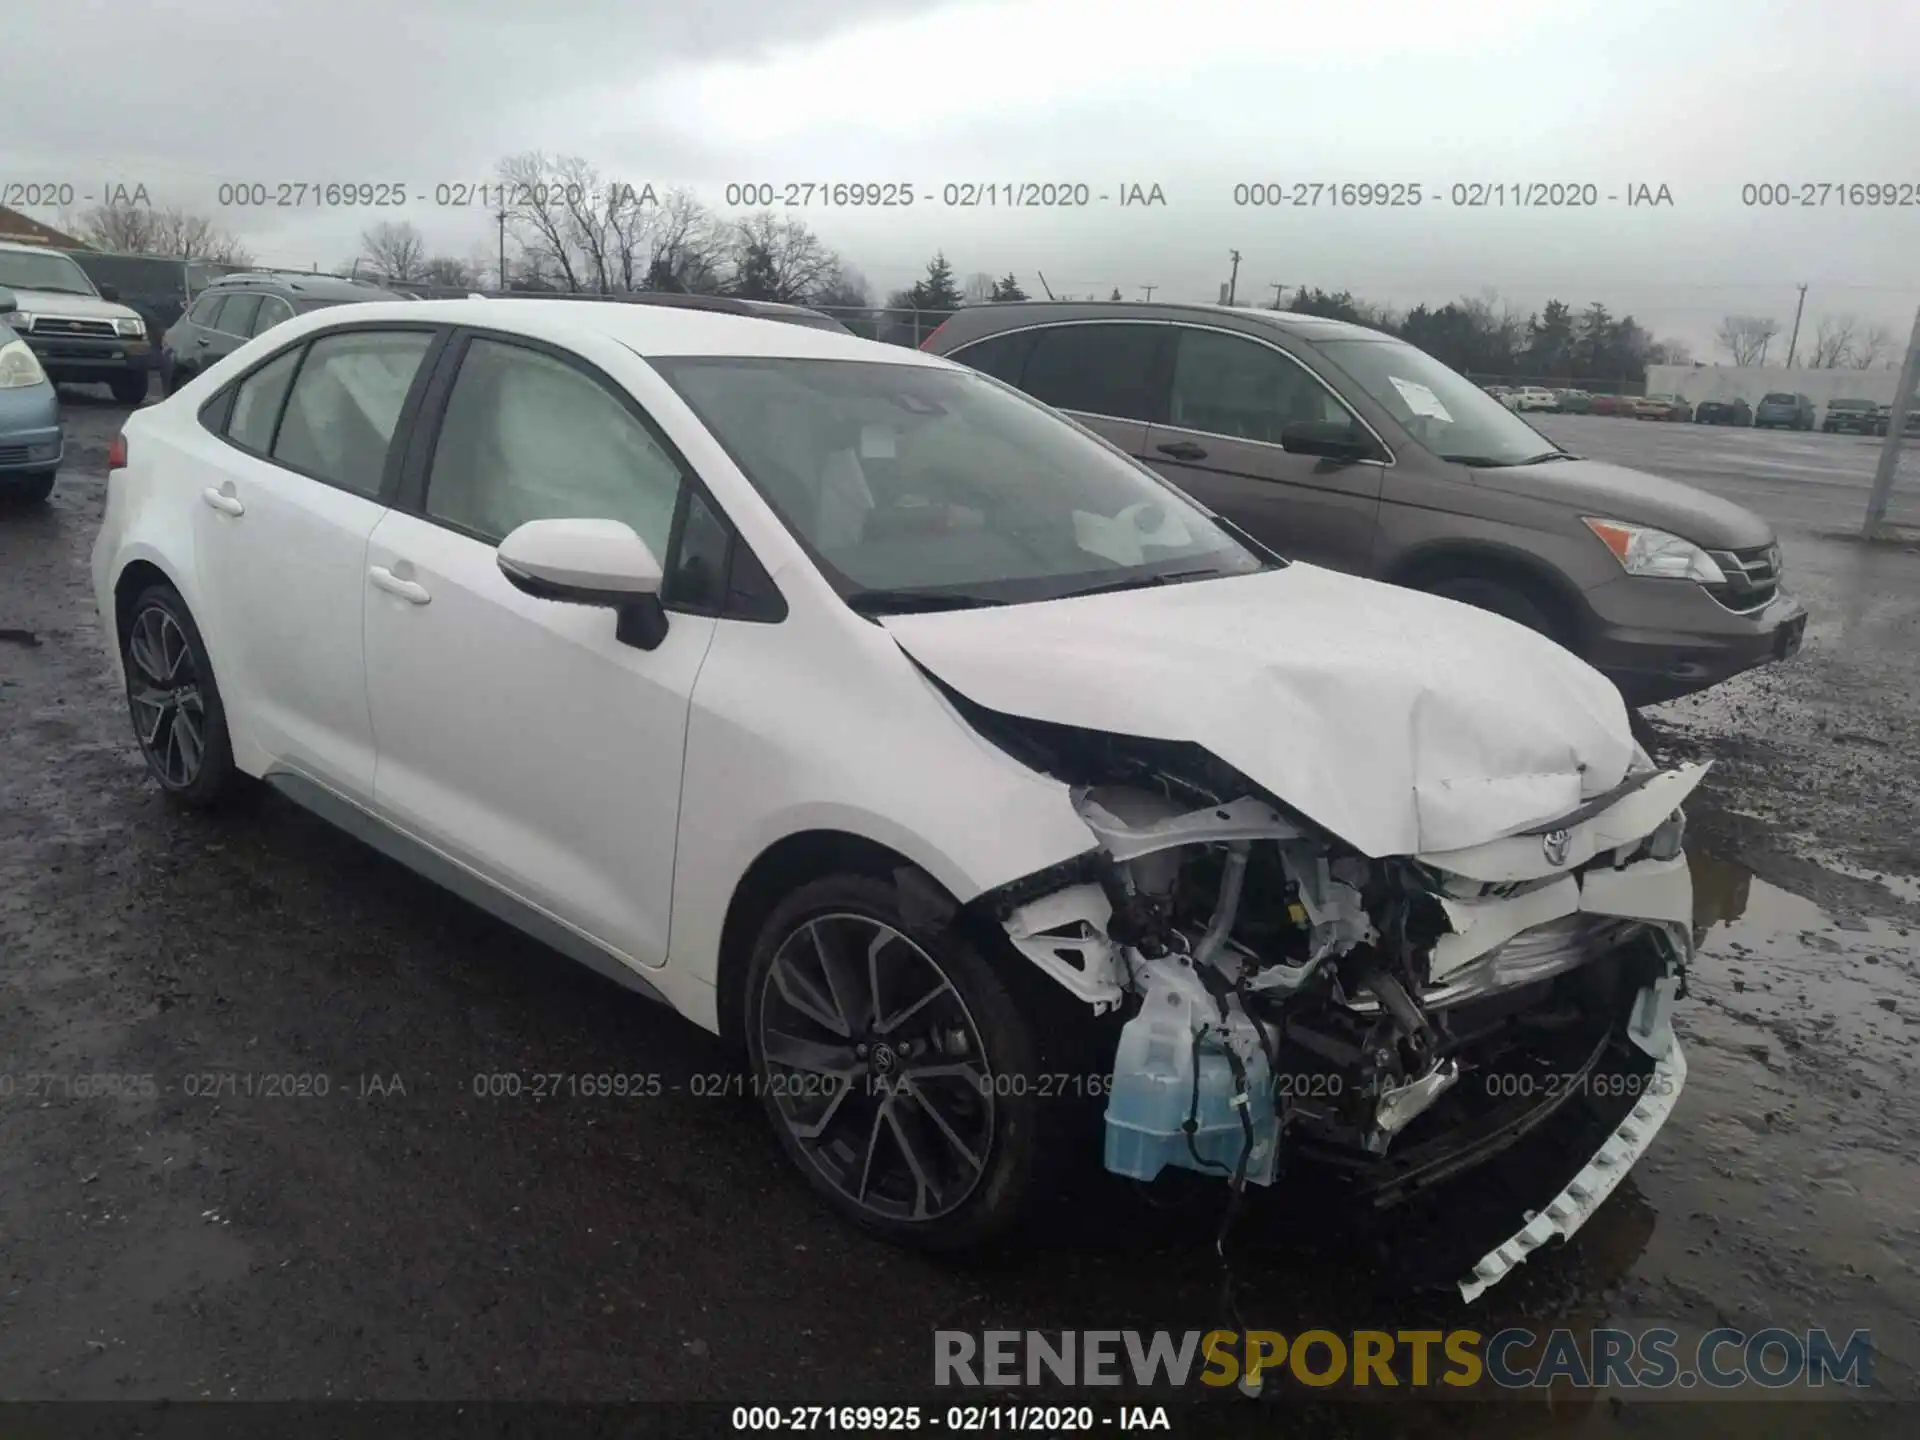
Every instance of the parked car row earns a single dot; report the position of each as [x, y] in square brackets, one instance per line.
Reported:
[1777, 410]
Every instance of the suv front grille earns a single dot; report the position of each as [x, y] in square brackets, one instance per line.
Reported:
[1753, 577]
[55, 325]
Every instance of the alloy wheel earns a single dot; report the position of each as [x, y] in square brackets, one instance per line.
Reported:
[163, 690]
[876, 1067]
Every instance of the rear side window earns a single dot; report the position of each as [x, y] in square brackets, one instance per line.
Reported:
[236, 316]
[1002, 356]
[272, 311]
[256, 404]
[1778, 400]
[345, 404]
[1102, 369]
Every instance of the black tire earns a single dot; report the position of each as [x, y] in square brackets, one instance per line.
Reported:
[129, 388]
[194, 765]
[1502, 598]
[32, 490]
[994, 1111]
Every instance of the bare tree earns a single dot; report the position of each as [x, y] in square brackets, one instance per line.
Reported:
[537, 217]
[1746, 337]
[1832, 343]
[446, 270]
[1670, 352]
[1875, 342]
[978, 289]
[395, 249]
[845, 289]
[143, 230]
[776, 257]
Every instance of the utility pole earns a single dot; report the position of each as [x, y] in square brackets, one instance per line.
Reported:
[1149, 289]
[1234, 278]
[1795, 338]
[1896, 430]
[501, 216]
[1277, 288]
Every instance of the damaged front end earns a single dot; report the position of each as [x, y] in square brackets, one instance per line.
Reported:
[1398, 1020]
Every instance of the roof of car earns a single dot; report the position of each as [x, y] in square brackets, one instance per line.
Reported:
[299, 284]
[1305, 327]
[648, 330]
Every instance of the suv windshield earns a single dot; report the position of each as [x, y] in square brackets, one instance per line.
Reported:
[916, 487]
[1439, 407]
[43, 270]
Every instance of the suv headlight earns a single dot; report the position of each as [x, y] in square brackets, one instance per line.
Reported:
[1642, 550]
[133, 325]
[19, 366]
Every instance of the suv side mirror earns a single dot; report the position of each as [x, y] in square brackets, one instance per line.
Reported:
[8, 301]
[1329, 439]
[590, 562]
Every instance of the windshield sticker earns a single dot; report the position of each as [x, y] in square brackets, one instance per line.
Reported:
[1123, 537]
[877, 443]
[1420, 399]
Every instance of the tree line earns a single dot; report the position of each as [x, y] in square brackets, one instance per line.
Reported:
[563, 225]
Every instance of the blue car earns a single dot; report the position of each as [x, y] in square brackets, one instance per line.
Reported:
[30, 438]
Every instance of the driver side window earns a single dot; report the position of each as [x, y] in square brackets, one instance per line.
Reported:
[1231, 386]
[529, 437]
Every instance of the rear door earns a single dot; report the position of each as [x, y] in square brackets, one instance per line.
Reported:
[289, 495]
[1230, 397]
[1110, 375]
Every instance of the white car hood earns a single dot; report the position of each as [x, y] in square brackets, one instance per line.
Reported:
[70, 306]
[1400, 722]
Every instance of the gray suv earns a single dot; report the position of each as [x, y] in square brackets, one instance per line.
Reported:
[1348, 448]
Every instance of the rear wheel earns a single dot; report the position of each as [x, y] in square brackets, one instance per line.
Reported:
[178, 718]
[898, 1073]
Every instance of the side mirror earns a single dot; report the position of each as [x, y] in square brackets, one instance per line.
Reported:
[8, 301]
[110, 293]
[590, 562]
[1326, 438]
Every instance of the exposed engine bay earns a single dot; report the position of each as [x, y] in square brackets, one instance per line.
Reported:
[1400, 1018]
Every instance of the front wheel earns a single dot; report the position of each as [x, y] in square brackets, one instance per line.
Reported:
[1501, 598]
[33, 490]
[898, 1073]
[130, 388]
[178, 718]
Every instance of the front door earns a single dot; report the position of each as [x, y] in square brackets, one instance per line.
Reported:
[1230, 398]
[517, 735]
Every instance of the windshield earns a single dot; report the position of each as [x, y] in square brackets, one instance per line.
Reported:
[915, 487]
[1777, 400]
[42, 270]
[1439, 407]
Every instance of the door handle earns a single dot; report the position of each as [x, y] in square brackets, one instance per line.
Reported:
[1182, 450]
[223, 501]
[394, 585]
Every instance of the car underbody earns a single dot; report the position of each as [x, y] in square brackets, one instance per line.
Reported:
[1396, 1021]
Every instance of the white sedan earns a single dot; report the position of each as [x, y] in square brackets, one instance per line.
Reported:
[1006, 807]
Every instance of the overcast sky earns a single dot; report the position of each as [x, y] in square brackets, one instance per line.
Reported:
[1195, 96]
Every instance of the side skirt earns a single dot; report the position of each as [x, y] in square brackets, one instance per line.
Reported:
[431, 865]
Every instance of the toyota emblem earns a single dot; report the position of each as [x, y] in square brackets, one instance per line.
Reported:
[1556, 843]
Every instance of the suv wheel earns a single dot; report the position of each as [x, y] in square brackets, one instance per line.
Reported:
[897, 1071]
[178, 718]
[32, 490]
[1501, 598]
[130, 388]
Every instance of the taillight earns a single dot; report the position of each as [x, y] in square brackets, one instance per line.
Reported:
[117, 454]
[936, 330]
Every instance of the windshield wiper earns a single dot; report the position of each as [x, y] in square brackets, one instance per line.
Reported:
[904, 602]
[1542, 459]
[1141, 582]
[1489, 462]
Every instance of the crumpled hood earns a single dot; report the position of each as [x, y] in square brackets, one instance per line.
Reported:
[1400, 722]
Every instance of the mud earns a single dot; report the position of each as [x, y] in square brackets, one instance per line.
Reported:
[370, 1226]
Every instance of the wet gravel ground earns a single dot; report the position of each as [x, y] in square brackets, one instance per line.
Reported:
[366, 1226]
